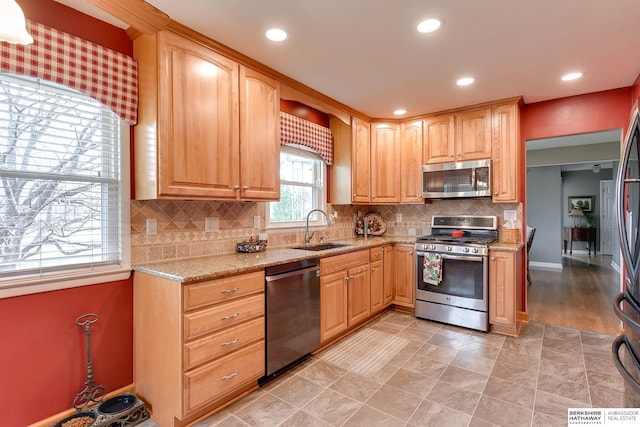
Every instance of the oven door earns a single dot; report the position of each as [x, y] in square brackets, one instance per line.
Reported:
[464, 281]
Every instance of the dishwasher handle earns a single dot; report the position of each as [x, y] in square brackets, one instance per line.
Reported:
[293, 273]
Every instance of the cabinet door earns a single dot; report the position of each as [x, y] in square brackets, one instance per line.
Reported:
[259, 136]
[438, 139]
[360, 161]
[506, 153]
[502, 284]
[404, 275]
[377, 286]
[198, 123]
[358, 294]
[333, 304]
[473, 135]
[411, 162]
[389, 275]
[385, 163]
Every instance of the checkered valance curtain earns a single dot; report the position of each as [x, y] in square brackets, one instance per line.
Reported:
[294, 130]
[105, 75]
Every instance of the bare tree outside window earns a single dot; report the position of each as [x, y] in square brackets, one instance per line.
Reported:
[59, 178]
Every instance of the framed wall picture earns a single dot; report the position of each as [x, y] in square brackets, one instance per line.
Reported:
[583, 202]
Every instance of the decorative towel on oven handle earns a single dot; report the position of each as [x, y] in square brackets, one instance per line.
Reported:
[432, 273]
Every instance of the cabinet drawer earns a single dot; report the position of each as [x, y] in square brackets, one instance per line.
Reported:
[375, 254]
[343, 262]
[222, 343]
[220, 290]
[221, 316]
[222, 376]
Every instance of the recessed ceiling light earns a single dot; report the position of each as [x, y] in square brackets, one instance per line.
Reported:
[465, 81]
[429, 25]
[571, 76]
[400, 111]
[276, 34]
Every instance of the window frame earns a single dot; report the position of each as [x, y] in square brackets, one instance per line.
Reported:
[74, 275]
[320, 198]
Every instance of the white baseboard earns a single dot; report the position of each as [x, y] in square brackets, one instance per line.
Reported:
[615, 266]
[548, 265]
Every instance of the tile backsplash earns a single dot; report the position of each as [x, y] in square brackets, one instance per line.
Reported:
[181, 224]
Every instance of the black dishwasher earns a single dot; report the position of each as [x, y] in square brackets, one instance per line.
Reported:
[292, 313]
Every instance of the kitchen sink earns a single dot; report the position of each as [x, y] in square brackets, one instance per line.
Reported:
[322, 246]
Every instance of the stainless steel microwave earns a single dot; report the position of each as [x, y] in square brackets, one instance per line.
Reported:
[457, 179]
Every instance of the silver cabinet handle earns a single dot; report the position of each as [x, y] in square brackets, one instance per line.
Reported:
[234, 315]
[230, 291]
[377, 255]
[225, 344]
[236, 187]
[228, 377]
[245, 187]
[493, 258]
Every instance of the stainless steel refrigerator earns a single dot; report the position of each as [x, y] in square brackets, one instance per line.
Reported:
[626, 347]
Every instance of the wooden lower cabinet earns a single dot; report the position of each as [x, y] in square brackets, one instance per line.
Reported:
[504, 291]
[389, 275]
[377, 286]
[333, 305]
[344, 292]
[376, 274]
[404, 276]
[196, 346]
[358, 294]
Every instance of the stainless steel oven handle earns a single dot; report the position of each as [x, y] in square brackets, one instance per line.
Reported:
[458, 257]
[628, 321]
[463, 257]
[615, 348]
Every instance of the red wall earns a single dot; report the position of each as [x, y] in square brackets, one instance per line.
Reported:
[577, 114]
[43, 363]
[43, 354]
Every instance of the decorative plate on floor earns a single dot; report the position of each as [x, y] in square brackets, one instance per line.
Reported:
[378, 226]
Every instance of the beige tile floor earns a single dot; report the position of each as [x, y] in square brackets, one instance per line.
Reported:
[443, 376]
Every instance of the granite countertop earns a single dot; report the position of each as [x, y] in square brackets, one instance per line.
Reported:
[209, 267]
[502, 246]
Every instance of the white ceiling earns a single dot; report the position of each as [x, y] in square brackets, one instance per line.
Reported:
[368, 55]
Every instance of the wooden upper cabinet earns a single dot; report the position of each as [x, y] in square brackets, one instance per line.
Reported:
[189, 143]
[506, 153]
[458, 137]
[473, 134]
[411, 162]
[259, 136]
[360, 161]
[439, 139]
[385, 163]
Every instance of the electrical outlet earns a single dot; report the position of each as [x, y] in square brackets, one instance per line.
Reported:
[211, 224]
[398, 217]
[256, 221]
[152, 226]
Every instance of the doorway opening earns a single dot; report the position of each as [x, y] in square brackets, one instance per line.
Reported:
[573, 289]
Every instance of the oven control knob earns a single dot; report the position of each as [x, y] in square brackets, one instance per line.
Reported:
[475, 250]
[432, 247]
[449, 248]
[466, 249]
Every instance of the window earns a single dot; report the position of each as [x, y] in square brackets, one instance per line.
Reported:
[301, 189]
[64, 205]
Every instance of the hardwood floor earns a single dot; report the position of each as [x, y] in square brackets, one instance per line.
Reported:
[578, 296]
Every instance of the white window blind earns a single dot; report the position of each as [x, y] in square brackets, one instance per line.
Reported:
[60, 180]
[301, 189]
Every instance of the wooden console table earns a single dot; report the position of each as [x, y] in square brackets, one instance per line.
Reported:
[572, 234]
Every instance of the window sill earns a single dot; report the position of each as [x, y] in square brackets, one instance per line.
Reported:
[25, 286]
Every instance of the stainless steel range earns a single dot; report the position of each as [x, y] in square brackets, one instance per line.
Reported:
[452, 270]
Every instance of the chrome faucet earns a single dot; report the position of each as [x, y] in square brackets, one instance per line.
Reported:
[307, 235]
